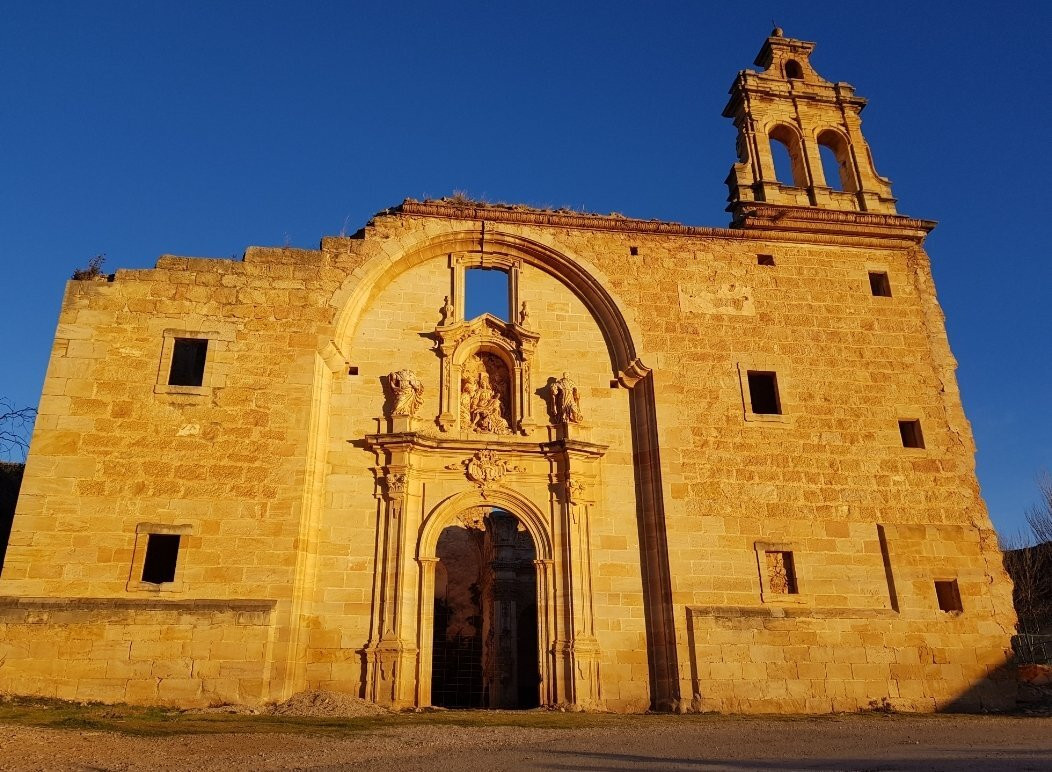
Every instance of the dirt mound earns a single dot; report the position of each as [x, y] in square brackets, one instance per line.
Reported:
[322, 704]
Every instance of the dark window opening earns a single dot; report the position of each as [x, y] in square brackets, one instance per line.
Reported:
[781, 572]
[352, 370]
[765, 259]
[633, 251]
[162, 553]
[188, 362]
[763, 393]
[879, 284]
[911, 434]
[486, 291]
[793, 70]
[949, 595]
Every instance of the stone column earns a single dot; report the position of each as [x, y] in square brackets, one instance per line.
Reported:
[391, 655]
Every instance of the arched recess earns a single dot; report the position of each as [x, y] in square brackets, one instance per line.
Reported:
[845, 178]
[786, 139]
[445, 514]
[620, 333]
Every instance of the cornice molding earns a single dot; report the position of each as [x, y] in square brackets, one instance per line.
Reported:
[753, 222]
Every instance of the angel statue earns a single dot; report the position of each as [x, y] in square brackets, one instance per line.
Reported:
[566, 401]
[408, 392]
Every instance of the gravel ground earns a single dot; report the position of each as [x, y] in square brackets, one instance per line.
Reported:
[868, 742]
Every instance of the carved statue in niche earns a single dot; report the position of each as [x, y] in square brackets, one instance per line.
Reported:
[566, 401]
[485, 395]
[447, 312]
[408, 392]
[524, 315]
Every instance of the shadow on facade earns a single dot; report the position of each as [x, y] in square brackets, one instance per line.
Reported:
[10, 482]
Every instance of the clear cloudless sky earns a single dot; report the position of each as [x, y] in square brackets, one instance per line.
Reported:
[198, 128]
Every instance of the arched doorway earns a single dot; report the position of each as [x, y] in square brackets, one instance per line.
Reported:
[485, 640]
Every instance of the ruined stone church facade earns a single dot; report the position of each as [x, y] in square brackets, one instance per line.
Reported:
[689, 468]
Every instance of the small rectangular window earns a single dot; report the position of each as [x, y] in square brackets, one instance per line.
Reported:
[879, 284]
[911, 434]
[162, 553]
[781, 572]
[763, 393]
[765, 259]
[634, 251]
[949, 595]
[188, 362]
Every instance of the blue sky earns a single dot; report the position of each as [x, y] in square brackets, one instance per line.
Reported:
[136, 129]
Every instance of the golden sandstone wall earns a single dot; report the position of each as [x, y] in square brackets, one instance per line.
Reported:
[692, 553]
[270, 525]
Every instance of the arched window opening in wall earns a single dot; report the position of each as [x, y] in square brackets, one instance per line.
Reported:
[788, 157]
[836, 161]
[793, 70]
[486, 290]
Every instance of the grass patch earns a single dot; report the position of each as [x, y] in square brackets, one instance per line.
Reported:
[158, 722]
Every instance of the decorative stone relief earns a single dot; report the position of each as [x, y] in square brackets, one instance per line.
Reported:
[485, 468]
[574, 490]
[474, 518]
[484, 395]
[408, 392]
[396, 483]
[524, 315]
[566, 401]
[485, 376]
[447, 312]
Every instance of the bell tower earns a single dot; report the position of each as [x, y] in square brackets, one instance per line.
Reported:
[790, 109]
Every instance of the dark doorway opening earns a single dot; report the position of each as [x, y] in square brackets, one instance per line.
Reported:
[485, 643]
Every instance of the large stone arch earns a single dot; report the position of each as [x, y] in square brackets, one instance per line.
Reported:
[621, 334]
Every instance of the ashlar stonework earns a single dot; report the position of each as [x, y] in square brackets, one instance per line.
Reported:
[673, 476]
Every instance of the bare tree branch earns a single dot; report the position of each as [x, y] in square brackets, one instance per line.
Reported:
[16, 427]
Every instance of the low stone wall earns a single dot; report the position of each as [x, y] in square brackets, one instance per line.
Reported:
[806, 660]
[140, 651]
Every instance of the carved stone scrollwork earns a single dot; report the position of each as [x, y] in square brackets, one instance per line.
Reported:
[485, 468]
[566, 401]
[574, 490]
[474, 518]
[395, 483]
[408, 393]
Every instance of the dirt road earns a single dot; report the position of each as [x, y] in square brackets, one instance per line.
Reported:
[868, 742]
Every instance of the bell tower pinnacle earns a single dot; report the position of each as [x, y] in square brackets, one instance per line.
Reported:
[790, 109]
